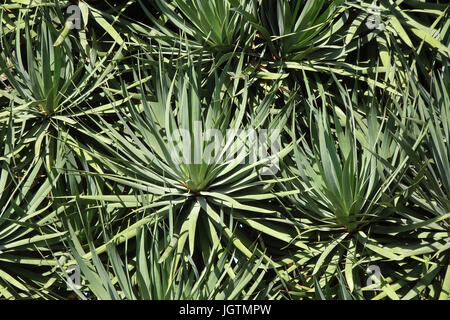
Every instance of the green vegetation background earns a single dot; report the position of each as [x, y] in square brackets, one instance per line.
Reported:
[359, 208]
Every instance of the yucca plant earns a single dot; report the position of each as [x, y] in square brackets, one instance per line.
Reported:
[297, 30]
[347, 163]
[52, 87]
[348, 167]
[213, 23]
[216, 197]
[49, 88]
[393, 232]
[225, 149]
[48, 77]
[50, 84]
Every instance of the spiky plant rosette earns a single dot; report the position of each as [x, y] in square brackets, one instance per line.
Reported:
[50, 89]
[238, 149]
[51, 85]
[354, 210]
[187, 158]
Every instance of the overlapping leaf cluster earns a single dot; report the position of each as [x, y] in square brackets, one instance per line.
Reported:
[92, 177]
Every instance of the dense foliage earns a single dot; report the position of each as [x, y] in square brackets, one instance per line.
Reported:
[346, 196]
